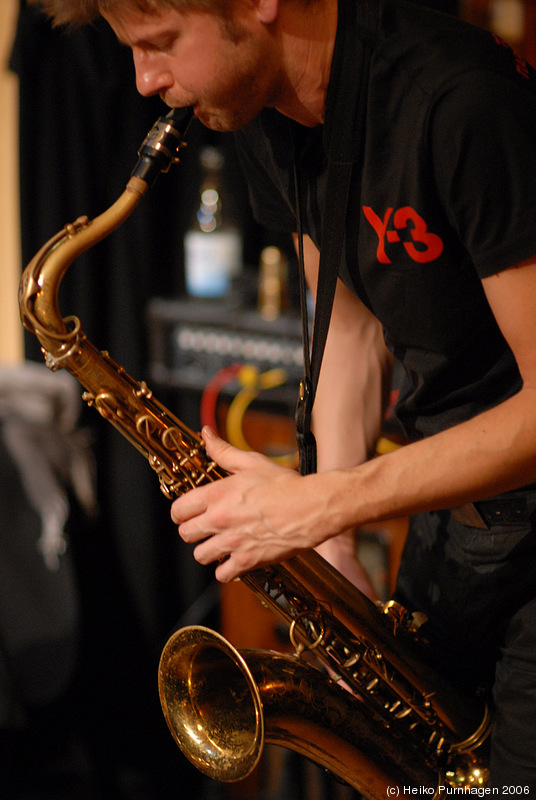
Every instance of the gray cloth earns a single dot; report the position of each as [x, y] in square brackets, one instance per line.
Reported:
[39, 411]
[43, 458]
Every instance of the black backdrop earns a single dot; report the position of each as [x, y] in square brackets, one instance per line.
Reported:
[81, 123]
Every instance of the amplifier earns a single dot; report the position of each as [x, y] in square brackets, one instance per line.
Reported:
[192, 340]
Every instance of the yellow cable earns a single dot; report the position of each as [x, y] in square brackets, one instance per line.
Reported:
[252, 383]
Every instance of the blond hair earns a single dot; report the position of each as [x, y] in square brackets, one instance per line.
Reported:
[79, 12]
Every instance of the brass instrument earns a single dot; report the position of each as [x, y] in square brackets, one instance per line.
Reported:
[392, 721]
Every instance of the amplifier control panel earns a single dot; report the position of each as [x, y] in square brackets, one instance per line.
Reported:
[190, 341]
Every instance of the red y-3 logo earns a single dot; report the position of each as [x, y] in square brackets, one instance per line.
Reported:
[420, 244]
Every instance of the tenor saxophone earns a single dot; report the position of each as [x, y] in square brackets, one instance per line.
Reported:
[373, 712]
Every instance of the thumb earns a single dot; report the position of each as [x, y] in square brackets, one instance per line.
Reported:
[230, 458]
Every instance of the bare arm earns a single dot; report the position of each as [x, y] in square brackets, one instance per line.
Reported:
[348, 407]
[489, 454]
[266, 514]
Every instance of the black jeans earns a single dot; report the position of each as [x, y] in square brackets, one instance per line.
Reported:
[478, 589]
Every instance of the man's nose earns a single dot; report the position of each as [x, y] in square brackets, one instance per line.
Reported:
[151, 77]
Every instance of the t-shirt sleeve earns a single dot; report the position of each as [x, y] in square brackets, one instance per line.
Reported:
[484, 144]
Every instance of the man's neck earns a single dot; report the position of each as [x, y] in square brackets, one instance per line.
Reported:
[308, 38]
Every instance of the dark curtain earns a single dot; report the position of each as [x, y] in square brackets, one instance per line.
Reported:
[81, 123]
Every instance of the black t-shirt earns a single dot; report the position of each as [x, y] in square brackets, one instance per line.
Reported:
[447, 196]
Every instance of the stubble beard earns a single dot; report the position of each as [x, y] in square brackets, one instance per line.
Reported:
[246, 95]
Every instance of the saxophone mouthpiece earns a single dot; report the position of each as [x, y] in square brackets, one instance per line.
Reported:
[161, 146]
[181, 118]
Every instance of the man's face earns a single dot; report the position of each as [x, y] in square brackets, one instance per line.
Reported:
[223, 67]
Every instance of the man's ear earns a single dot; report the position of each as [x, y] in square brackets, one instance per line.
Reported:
[267, 10]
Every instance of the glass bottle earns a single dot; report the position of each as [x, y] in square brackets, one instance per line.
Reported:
[213, 244]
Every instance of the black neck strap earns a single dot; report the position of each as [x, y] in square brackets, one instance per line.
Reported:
[344, 164]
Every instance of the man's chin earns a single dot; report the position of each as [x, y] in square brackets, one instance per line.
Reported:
[225, 122]
[216, 123]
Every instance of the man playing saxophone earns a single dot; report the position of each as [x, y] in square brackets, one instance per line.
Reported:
[438, 264]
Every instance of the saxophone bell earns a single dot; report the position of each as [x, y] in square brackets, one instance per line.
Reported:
[211, 703]
[222, 706]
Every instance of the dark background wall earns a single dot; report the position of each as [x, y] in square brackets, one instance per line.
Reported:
[81, 123]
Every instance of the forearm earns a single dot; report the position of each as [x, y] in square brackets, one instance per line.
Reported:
[348, 408]
[264, 513]
[349, 404]
[492, 453]
[349, 401]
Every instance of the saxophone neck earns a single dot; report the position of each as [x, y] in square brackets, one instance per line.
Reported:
[40, 282]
